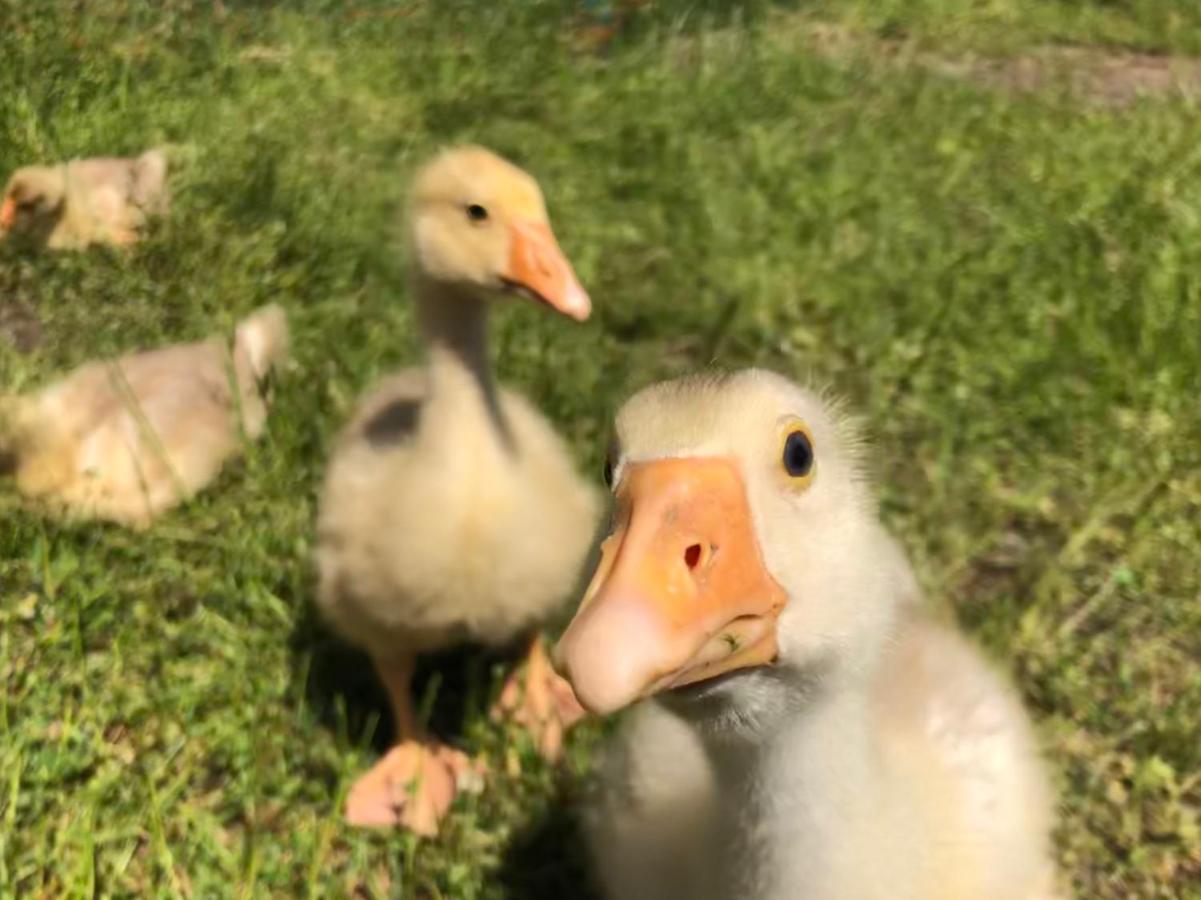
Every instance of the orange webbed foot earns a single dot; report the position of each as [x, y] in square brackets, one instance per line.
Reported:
[539, 700]
[411, 787]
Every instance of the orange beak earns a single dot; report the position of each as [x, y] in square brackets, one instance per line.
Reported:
[538, 266]
[8, 214]
[681, 593]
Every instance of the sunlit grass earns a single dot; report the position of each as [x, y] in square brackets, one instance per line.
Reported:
[1008, 287]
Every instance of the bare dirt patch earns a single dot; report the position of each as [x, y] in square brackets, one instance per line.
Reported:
[1099, 75]
[1105, 77]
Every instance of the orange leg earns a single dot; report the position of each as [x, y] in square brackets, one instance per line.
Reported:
[539, 700]
[413, 785]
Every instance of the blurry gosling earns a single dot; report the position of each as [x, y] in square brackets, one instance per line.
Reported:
[451, 510]
[127, 440]
[86, 201]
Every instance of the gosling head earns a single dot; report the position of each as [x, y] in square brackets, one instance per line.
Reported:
[262, 339]
[479, 222]
[745, 562]
[33, 194]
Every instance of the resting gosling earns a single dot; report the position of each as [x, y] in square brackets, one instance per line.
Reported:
[86, 201]
[129, 439]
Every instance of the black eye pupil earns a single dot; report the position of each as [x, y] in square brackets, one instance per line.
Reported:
[607, 472]
[798, 454]
[476, 213]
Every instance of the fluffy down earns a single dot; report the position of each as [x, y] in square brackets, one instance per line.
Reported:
[435, 530]
[129, 439]
[877, 756]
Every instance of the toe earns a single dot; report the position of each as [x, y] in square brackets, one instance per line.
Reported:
[550, 743]
[369, 804]
[510, 698]
[566, 705]
[468, 773]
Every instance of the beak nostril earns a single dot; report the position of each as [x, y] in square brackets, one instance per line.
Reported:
[692, 556]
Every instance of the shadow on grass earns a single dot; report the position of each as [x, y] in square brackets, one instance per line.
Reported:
[451, 688]
[547, 858]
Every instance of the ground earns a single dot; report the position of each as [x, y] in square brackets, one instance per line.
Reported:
[930, 206]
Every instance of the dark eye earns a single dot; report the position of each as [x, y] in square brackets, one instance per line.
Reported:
[477, 213]
[798, 454]
[607, 472]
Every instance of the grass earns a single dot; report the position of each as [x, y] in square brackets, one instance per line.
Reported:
[1007, 285]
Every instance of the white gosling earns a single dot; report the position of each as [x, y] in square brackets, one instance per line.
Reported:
[812, 735]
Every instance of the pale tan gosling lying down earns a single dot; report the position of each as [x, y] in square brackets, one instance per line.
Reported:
[812, 735]
[451, 510]
[86, 201]
[129, 439]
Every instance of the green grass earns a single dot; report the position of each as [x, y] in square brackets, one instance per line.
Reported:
[1008, 286]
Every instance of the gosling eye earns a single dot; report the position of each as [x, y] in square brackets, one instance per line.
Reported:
[607, 471]
[477, 213]
[798, 454]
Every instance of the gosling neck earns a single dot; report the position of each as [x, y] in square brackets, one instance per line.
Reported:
[454, 322]
[777, 710]
[796, 805]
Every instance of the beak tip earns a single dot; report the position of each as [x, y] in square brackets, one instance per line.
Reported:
[604, 680]
[583, 688]
[577, 303]
[597, 703]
